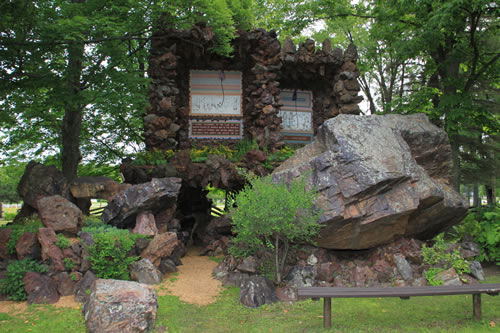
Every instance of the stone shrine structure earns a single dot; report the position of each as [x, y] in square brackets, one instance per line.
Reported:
[268, 91]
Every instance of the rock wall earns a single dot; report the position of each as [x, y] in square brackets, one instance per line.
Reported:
[266, 67]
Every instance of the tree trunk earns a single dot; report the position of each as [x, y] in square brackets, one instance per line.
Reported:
[475, 195]
[455, 171]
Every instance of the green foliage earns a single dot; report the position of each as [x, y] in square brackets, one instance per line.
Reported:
[92, 222]
[10, 175]
[13, 285]
[19, 228]
[270, 216]
[72, 275]
[62, 242]
[430, 275]
[108, 255]
[443, 257]
[483, 224]
[154, 157]
[69, 264]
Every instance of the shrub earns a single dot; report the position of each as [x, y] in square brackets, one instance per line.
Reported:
[442, 257]
[62, 242]
[271, 216]
[483, 224]
[108, 255]
[68, 264]
[13, 285]
[19, 228]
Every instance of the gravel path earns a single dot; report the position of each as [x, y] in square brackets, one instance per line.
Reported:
[193, 283]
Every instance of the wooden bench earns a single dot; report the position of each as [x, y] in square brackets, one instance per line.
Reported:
[327, 293]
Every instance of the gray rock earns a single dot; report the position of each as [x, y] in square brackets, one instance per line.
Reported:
[301, 276]
[154, 196]
[256, 291]
[120, 306]
[403, 266]
[143, 271]
[312, 260]
[378, 177]
[41, 181]
[167, 266]
[476, 270]
[233, 279]
[248, 265]
[449, 277]
[82, 288]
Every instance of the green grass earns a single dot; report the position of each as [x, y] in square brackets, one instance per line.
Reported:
[419, 314]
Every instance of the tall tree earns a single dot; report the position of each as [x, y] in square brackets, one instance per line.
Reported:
[72, 72]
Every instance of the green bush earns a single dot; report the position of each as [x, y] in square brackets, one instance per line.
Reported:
[271, 217]
[19, 228]
[62, 242]
[108, 255]
[13, 285]
[442, 257]
[483, 224]
[68, 264]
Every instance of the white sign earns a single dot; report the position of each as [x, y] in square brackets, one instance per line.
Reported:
[215, 105]
[296, 120]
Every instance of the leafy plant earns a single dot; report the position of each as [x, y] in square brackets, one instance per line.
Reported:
[68, 264]
[443, 257]
[430, 275]
[483, 224]
[271, 216]
[62, 242]
[19, 228]
[108, 255]
[13, 284]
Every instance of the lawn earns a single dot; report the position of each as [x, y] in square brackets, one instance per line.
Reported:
[419, 314]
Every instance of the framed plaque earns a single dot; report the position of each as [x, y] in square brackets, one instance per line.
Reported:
[296, 116]
[216, 129]
[215, 94]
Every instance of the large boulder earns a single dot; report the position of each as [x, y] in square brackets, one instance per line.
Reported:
[379, 178]
[121, 307]
[95, 187]
[60, 215]
[40, 181]
[154, 196]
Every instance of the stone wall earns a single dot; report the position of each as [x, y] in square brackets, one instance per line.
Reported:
[266, 66]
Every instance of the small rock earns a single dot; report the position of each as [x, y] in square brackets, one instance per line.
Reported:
[50, 251]
[65, 284]
[167, 266]
[82, 288]
[449, 277]
[256, 291]
[41, 289]
[28, 246]
[302, 276]
[476, 270]
[403, 266]
[312, 260]
[145, 224]
[248, 265]
[143, 271]
[120, 306]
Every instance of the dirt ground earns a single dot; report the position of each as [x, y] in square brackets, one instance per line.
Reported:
[193, 283]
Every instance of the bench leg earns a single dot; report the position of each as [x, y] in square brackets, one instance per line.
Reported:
[476, 306]
[327, 312]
